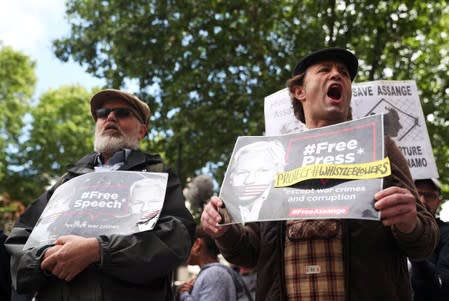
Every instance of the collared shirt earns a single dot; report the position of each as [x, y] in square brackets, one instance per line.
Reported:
[116, 161]
[313, 256]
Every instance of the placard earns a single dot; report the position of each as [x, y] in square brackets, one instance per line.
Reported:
[100, 203]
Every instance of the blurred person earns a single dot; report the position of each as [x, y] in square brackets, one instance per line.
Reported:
[107, 267]
[332, 259]
[5, 278]
[430, 277]
[249, 276]
[214, 281]
[6, 291]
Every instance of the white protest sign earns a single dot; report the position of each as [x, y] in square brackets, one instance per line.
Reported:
[279, 117]
[399, 100]
[404, 120]
[328, 172]
[101, 203]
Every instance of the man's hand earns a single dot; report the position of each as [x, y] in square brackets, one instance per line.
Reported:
[70, 255]
[397, 207]
[210, 218]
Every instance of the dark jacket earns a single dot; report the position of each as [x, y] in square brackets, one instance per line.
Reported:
[134, 267]
[374, 255]
[5, 278]
[430, 277]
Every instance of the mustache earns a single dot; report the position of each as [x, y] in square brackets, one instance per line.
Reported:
[111, 125]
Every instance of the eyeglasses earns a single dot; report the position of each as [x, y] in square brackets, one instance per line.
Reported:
[429, 196]
[103, 113]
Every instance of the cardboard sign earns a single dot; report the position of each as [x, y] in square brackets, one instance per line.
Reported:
[404, 120]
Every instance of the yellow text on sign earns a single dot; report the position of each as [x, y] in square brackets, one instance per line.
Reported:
[370, 170]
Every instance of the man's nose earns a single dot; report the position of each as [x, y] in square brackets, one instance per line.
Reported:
[335, 73]
[111, 116]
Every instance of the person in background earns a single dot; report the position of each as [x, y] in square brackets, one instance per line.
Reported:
[214, 281]
[430, 277]
[338, 260]
[249, 276]
[5, 278]
[138, 266]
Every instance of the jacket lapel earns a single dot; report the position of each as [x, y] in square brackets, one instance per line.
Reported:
[135, 158]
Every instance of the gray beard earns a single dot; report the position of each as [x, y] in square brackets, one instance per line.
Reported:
[111, 144]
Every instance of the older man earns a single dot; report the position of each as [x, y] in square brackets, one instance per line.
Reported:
[332, 259]
[108, 267]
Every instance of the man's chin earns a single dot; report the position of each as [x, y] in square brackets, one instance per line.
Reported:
[109, 143]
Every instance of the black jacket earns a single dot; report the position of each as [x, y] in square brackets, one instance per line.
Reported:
[430, 277]
[135, 267]
[5, 279]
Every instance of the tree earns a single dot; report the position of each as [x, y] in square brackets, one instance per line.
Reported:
[17, 82]
[60, 133]
[433, 77]
[205, 66]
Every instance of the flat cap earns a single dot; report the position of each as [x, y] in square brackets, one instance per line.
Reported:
[140, 107]
[334, 53]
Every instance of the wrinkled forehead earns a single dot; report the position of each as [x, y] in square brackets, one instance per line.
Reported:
[329, 63]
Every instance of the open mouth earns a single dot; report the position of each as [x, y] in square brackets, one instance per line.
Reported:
[111, 127]
[334, 91]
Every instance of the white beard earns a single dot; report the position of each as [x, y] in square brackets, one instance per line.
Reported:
[110, 144]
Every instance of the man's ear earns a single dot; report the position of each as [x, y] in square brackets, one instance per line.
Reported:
[143, 130]
[300, 93]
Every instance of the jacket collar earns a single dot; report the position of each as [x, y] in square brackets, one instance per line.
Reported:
[136, 160]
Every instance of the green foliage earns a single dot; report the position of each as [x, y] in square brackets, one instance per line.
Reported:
[66, 112]
[205, 66]
[432, 65]
[61, 132]
[17, 81]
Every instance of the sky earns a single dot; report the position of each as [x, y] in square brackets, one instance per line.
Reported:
[29, 26]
